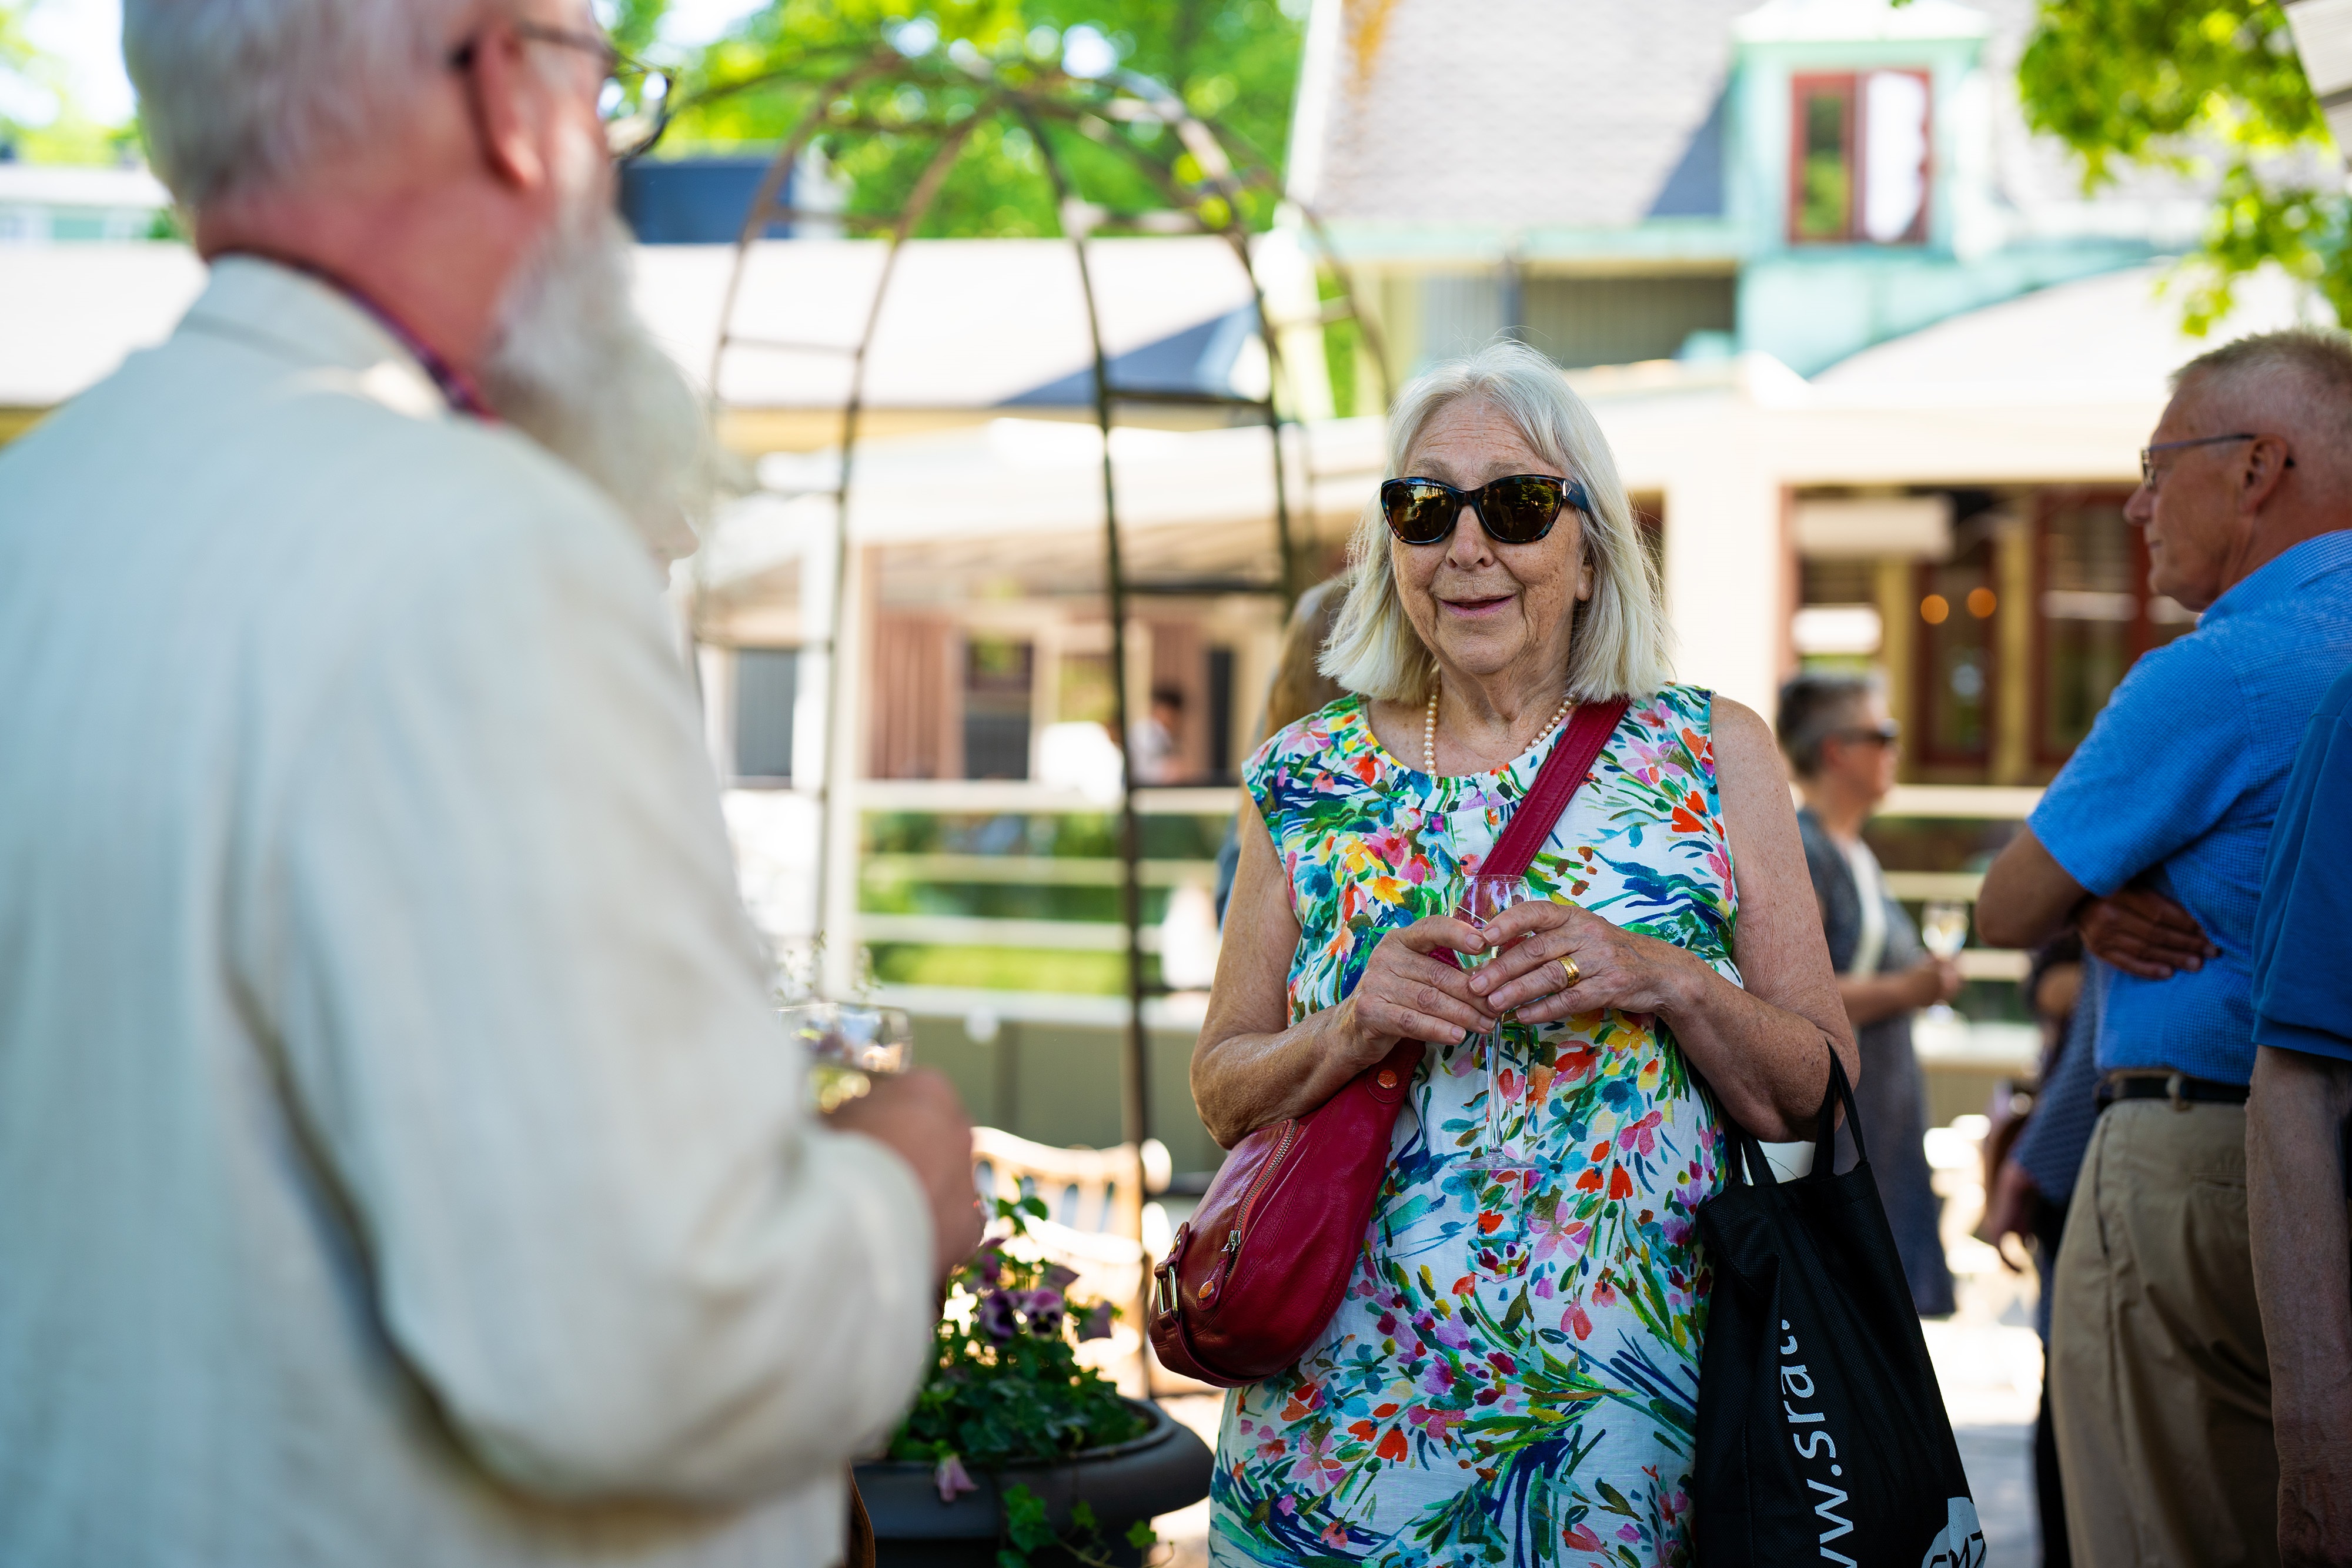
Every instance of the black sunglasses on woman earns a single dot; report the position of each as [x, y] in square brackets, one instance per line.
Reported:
[1517, 510]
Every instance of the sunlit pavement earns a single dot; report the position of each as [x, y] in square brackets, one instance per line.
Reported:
[1987, 1358]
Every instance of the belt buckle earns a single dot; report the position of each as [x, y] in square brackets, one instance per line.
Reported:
[2172, 1092]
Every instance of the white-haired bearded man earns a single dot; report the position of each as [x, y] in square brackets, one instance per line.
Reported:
[398, 1159]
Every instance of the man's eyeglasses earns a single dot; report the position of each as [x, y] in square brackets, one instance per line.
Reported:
[1518, 509]
[2147, 471]
[1887, 734]
[634, 102]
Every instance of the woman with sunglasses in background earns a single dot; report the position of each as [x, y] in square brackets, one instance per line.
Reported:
[1842, 746]
[1514, 1370]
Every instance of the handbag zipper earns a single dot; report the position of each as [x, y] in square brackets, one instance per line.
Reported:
[1233, 1237]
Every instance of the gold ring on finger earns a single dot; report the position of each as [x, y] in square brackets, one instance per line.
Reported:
[1569, 973]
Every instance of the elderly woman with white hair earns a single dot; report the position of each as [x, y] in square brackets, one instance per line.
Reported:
[1514, 1371]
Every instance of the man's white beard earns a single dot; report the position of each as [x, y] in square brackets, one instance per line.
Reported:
[573, 367]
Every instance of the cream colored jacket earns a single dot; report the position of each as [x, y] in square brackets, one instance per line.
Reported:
[399, 1160]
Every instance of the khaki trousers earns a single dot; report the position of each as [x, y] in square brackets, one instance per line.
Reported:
[2159, 1384]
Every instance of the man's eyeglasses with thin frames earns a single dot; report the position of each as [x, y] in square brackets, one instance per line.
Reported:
[634, 101]
[2147, 471]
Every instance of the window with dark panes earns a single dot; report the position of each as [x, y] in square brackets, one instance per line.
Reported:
[2096, 617]
[1955, 698]
[767, 685]
[1220, 713]
[1858, 161]
[999, 673]
[1820, 205]
[1580, 321]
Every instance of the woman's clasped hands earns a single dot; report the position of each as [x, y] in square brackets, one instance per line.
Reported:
[1408, 992]
[1549, 961]
[1558, 960]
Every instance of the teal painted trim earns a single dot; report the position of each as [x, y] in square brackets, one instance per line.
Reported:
[1757, 129]
[1810, 308]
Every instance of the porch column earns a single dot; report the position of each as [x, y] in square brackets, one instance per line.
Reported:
[1728, 573]
[844, 756]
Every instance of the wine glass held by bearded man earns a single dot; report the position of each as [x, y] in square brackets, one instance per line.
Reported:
[400, 1161]
[1539, 1214]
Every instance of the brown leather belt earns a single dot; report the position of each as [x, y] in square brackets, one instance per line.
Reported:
[2181, 1090]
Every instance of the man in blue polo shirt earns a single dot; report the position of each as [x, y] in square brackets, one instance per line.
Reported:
[2151, 842]
[2294, 1137]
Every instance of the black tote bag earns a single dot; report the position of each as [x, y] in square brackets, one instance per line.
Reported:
[1821, 1433]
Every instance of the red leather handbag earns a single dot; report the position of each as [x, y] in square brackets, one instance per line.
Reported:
[1258, 1270]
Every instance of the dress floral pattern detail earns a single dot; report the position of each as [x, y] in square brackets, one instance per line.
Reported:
[1513, 1374]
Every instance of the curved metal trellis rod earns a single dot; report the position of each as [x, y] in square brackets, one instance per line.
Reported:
[1211, 203]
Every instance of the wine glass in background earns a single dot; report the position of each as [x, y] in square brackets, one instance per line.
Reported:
[1484, 899]
[1944, 931]
[850, 1044]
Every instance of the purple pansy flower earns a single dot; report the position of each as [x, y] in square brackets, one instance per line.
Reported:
[950, 1475]
[1044, 1309]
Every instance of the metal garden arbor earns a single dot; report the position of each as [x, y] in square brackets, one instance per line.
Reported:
[1206, 184]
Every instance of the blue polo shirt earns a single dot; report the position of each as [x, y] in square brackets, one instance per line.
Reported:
[2177, 784]
[2303, 935]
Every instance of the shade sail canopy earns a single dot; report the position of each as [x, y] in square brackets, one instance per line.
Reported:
[968, 324]
[1023, 498]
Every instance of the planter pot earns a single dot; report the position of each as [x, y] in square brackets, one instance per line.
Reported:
[1164, 1470]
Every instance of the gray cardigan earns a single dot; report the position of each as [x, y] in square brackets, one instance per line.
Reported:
[1893, 1095]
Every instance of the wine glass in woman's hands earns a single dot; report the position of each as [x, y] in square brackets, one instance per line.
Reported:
[1483, 901]
[1934, 981]
[1408, 992]
[1944, 931]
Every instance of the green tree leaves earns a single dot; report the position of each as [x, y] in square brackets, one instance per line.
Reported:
[1235, 59]
[2209, 85]
[65, 135]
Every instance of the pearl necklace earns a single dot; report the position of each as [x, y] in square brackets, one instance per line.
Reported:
[1429, 729]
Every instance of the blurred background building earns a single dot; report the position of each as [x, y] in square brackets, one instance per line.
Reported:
[1873, 362]
[1875, 302]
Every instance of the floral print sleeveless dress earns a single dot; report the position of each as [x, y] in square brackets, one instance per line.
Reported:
[1513, 1376]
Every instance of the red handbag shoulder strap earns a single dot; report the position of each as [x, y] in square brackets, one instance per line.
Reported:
[1556, 784]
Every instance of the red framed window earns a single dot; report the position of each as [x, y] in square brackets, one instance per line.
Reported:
[1859, 162]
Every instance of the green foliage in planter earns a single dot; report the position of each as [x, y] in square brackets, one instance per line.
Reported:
[1007, 1386]
[1028, 1530]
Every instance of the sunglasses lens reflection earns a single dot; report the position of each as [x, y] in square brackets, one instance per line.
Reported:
[1519, 510]
[1419, 513]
